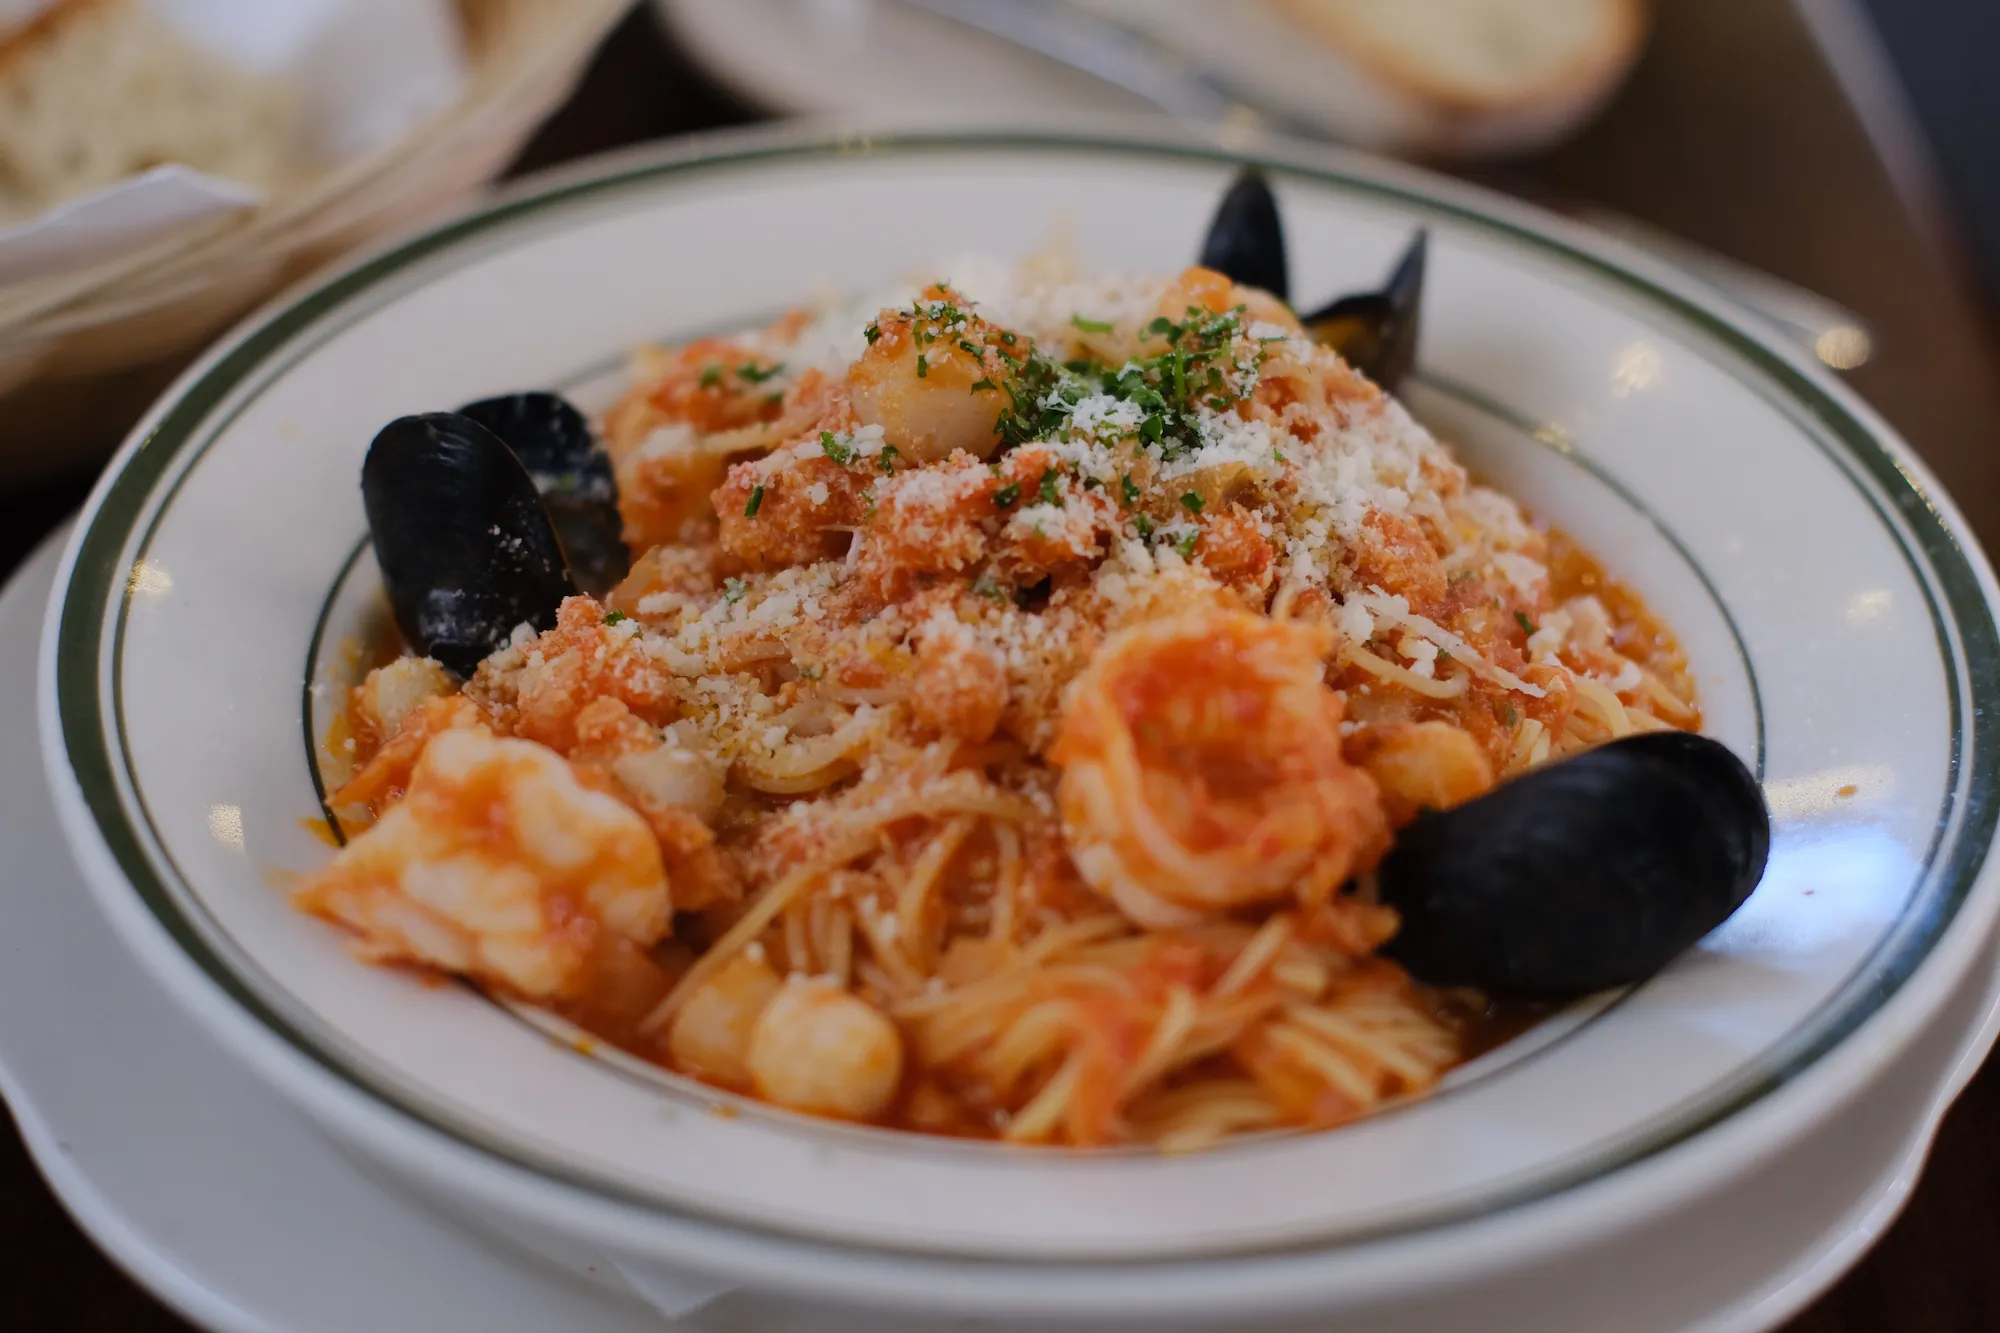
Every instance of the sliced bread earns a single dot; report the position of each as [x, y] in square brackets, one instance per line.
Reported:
[1479, 55]
[94, 91]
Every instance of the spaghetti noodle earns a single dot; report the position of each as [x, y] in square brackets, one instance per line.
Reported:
[999, 724]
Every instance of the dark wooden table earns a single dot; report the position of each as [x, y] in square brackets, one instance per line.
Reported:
[1732, 134]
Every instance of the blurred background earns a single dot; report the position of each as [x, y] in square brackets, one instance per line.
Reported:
[167, 164]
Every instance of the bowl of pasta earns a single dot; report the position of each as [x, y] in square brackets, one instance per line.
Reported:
[992, 721]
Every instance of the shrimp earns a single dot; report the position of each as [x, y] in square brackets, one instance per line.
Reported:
[1422, 766]
[1202, 770]
[380, 782]
[498, 865]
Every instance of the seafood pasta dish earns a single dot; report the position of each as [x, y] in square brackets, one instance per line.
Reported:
[1054, 707]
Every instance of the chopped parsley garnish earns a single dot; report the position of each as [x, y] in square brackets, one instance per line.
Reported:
[756, 502]
[1007, 495]
[835, 448]
[1090, 325]
[872, 332]
[984, 382]
[1128, 494]
[1510, 717]
[1279, 456]
[1039, 399]
[923, 367]
[1144, 526]
[1091, 483]
[1051, 487]
[1527, 625]
[757, 374]
[985, 586]
[1186, 544]
[711, 377]
[1191, 502]
[1198, 372]
[733, 590]
[967, 346]
[616, 617]
[886, 460]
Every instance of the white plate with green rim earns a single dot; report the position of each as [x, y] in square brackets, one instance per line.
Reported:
[1837, 615]
[255, 1224]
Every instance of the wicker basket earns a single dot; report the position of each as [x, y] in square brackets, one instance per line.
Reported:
[81, 352]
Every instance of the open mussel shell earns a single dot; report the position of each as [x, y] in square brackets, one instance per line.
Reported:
[1586, 874]
[466, 550]
[574, 476]
[1376, 332]
[1246, 238]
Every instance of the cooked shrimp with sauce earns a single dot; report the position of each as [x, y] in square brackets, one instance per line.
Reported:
[1032, 709]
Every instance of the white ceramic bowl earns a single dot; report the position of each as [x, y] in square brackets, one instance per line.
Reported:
[1838, 617]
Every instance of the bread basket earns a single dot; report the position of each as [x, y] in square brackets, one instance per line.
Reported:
[81, 351]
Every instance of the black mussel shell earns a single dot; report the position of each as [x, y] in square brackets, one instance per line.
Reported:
[574, 475]
[1377, 331]
[1587, 874]
[1246, 239]
[466, 549]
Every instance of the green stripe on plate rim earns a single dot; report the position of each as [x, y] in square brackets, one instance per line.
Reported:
[100, 573]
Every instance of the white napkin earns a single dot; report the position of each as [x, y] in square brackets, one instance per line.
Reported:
[365, 71]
